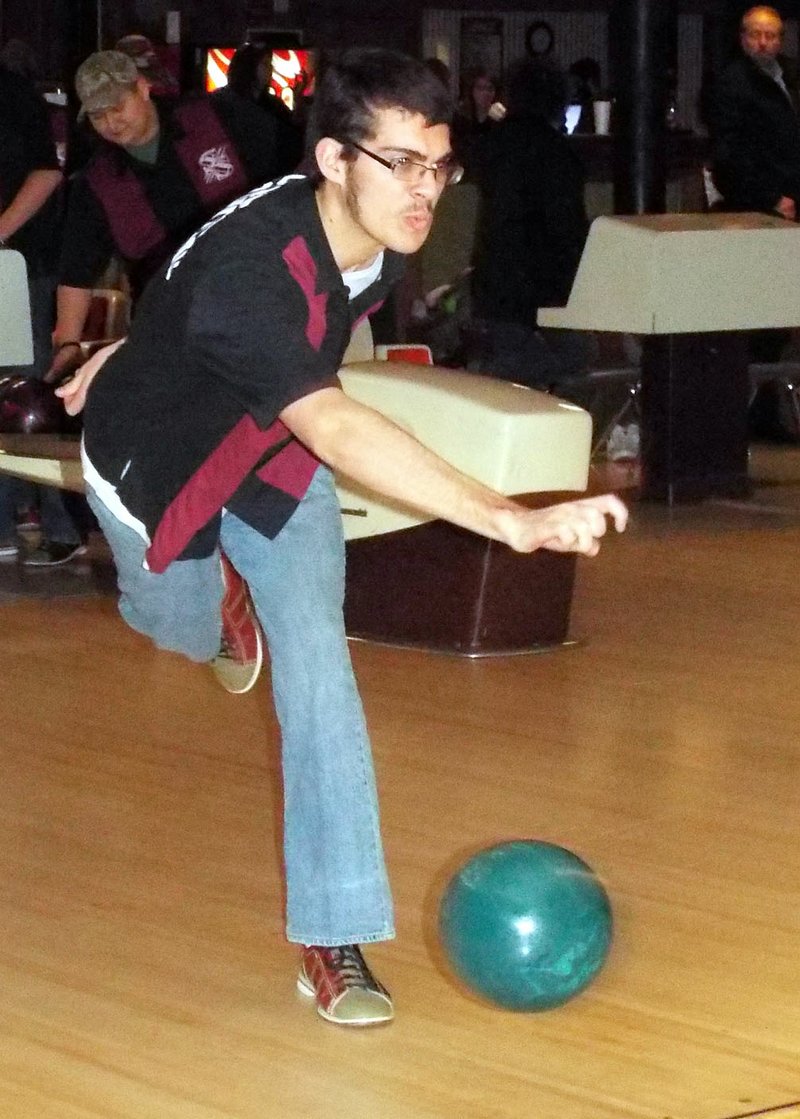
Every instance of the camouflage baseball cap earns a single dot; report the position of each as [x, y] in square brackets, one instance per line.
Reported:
[103, 78]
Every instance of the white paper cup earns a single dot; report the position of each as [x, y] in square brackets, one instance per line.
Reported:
[602, 117]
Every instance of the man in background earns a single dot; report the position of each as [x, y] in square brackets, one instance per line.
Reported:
[162, 169]
[754, 123]
[30, 212]
[531, 231]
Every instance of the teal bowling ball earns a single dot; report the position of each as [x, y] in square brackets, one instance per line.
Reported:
[526, 925]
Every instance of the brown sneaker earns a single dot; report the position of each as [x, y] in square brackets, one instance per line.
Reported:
[238, 662]
[346, 991]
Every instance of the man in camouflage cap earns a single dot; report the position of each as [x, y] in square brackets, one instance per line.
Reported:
[103, 80]
[162, 169]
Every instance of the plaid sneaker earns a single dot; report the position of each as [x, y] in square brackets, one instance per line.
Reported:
[346, 991]
[238, 662]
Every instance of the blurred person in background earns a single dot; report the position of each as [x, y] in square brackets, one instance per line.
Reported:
[532, 228]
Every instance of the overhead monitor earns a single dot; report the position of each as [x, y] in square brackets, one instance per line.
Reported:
[291, 72]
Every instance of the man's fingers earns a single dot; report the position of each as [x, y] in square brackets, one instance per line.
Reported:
[580, 525]
[609, 505]
[73, 394]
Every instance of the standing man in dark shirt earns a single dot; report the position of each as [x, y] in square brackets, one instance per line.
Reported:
[162, 170]
[754, 122]
[532, 227]
[212, 424]
[30, 211]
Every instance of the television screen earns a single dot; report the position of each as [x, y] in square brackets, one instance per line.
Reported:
[291, 72]
[215, 70]
[292, 75]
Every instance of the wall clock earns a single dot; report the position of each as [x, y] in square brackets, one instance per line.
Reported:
[539, 37]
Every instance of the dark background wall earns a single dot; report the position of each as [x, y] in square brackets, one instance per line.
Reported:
[63, 32]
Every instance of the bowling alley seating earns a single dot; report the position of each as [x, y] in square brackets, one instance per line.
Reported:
[419, 582]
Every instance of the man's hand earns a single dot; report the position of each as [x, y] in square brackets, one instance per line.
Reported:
[786, 208]
[74, 391]
[575, 526]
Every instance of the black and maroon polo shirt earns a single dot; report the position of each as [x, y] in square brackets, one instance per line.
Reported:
[248, 316]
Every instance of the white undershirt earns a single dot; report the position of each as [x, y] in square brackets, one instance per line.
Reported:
[357, 280]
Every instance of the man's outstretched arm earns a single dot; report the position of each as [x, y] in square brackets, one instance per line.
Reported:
[364, 445]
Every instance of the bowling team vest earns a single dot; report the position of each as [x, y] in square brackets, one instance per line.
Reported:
[207, 154]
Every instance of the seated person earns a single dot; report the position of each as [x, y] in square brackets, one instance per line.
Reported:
[531, 231]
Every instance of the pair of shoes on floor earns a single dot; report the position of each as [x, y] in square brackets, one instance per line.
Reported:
[239, 660]
[52, 553]
[346, 991]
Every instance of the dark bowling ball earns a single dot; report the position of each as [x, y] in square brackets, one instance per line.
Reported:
[30, 407]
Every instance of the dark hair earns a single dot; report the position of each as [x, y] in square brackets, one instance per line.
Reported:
[467, 82]
[355, 85]
[536, 88]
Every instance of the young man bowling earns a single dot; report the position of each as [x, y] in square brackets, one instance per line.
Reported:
[216, 425]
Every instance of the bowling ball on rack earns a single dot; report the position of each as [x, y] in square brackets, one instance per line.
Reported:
[526, 924]
[31, 407]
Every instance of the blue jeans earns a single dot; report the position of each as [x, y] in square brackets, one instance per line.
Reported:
[336, 884]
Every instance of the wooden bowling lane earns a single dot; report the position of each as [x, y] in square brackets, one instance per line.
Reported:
[142, 965]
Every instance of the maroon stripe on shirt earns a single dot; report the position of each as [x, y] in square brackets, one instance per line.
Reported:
[210, 487]
[291, 470]
[303, 271]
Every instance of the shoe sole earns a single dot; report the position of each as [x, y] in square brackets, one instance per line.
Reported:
[55, 563]
[305, 988]
[256, 672]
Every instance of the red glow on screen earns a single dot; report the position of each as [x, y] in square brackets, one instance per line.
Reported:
[218, 59]
[292, 75]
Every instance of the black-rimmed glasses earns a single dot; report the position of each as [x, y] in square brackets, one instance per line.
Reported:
[447, 172]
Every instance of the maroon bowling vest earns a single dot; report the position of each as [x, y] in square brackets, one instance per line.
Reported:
[207, 154]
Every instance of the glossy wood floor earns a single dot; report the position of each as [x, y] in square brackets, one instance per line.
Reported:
[143, 973]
